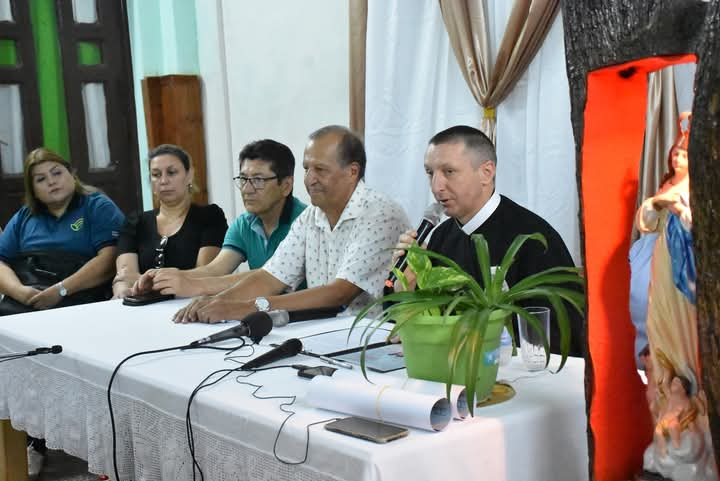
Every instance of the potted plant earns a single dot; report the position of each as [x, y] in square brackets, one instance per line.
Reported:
[450, 325]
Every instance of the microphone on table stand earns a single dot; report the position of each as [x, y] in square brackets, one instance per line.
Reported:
[56, 349]
[289, 348]
[255, 325]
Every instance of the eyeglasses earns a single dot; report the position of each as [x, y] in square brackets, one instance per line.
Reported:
[160, 252]
[258, 183]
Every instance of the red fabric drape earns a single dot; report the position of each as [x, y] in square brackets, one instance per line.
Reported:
[612, 147]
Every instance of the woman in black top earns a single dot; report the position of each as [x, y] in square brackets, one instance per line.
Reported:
[177, 234]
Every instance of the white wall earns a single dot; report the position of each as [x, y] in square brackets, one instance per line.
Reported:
[271, 69]
[162, 42]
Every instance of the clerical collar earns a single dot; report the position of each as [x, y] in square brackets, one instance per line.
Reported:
[482, 215]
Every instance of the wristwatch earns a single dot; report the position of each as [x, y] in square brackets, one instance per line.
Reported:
[262, 304]
[61, 289]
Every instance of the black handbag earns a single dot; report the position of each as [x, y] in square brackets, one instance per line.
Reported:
[42, 269]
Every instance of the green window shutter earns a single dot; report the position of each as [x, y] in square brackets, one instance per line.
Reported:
[51, 86]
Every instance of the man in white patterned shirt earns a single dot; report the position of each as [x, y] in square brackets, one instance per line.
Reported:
[339, 244]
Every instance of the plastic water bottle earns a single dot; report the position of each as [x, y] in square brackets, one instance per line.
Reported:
[505, 347]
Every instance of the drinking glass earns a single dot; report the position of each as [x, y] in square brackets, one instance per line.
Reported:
[531, 345]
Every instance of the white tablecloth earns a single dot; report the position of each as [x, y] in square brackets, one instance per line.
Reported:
[540, 434]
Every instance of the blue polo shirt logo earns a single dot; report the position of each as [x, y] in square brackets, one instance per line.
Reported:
[77, 225]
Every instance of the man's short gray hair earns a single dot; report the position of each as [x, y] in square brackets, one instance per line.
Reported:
[350, 149]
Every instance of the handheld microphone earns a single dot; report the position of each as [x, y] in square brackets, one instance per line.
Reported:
[431, 216]
[281, 318]
[255, 325]
[289, 348]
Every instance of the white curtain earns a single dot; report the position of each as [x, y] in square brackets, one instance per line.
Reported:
[5, 11]
[535, 143]
[93, 95]
[12, 140]
[414, 88]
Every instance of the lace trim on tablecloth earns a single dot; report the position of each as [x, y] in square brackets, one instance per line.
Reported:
[72, 415]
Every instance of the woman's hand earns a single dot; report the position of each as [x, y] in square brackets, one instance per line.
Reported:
[120, 290]
[46, 299]
[145, 281]
[175, 281]
[25, 293]
[140, 287]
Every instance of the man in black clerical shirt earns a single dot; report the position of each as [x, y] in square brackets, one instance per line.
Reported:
[460, 163]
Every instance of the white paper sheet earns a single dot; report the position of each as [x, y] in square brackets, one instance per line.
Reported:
[458, 398]
[380, 401]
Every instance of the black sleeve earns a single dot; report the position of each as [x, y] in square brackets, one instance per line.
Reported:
[534, 258]
[214, 226]
[130, 234]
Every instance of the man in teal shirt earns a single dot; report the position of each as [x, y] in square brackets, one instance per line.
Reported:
[266, 183]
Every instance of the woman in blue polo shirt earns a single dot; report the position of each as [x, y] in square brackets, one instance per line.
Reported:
[65, 228]
[178, 233]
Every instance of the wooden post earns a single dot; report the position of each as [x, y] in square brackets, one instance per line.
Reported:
[704, 155]
[13, 453]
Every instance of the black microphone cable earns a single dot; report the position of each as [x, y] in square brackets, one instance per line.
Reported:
[37, 351]
[202, 385]
[244, 374]
[142, 353]
[19, 356]
[284, 407]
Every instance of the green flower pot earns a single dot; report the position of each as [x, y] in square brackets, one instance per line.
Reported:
[426, 341]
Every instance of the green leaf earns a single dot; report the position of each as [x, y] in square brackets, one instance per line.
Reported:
[482, 252]
[446, 261]
[452, 307]
[458, 339]
[419, 262]
[555, 275]
[461, 329]
[475, 353]
[402, 278]
[563, 322]
[576, 299]
[446, 278]
[512, 251]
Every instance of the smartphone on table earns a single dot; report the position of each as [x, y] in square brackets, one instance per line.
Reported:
[146, 298]
[375, 431]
